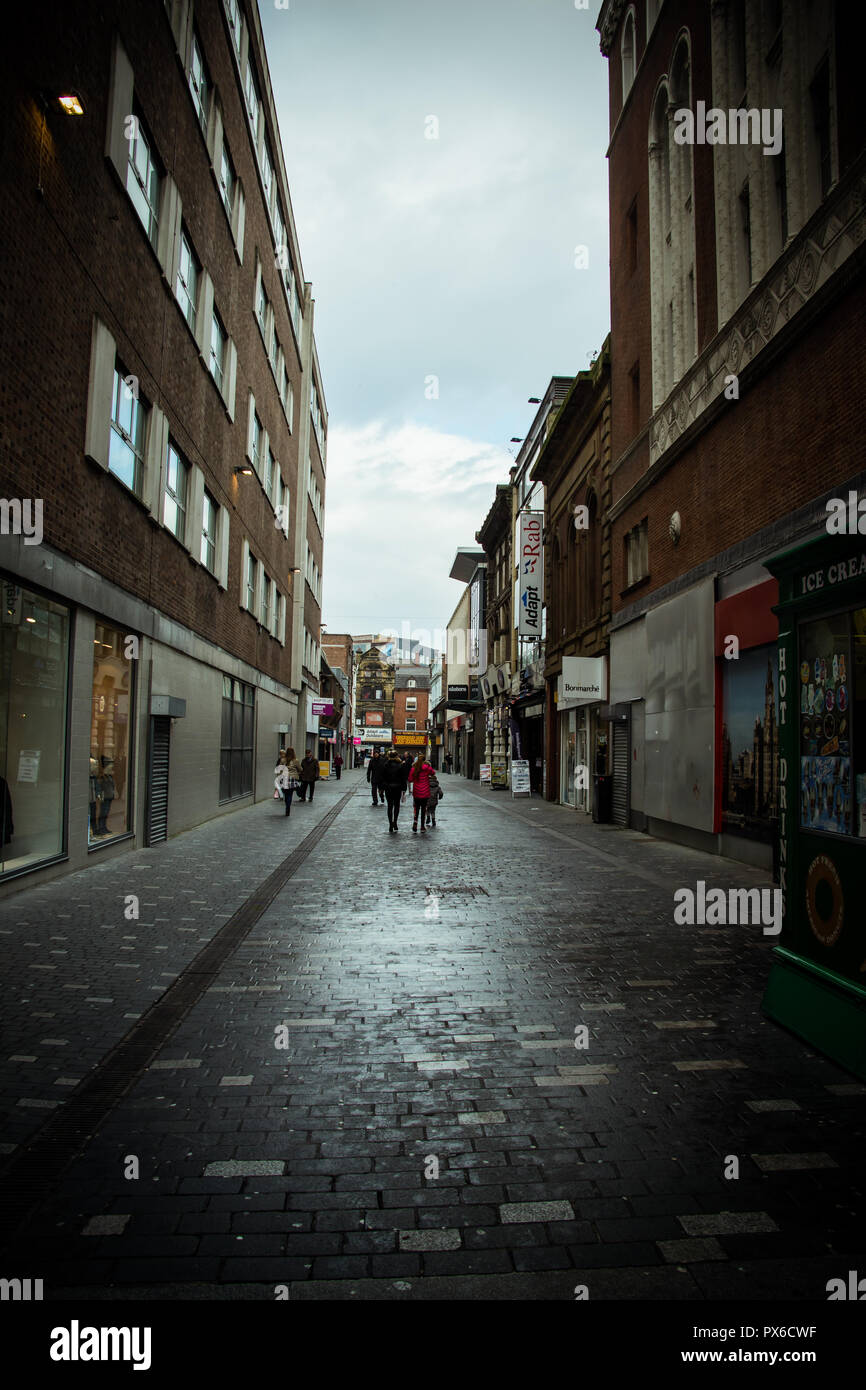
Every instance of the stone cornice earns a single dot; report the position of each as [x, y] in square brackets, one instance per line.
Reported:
[608, 23]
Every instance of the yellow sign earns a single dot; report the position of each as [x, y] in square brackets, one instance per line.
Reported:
[410, 740]
[324, 769]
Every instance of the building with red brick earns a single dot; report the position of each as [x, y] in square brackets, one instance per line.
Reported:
[411, 704]
[737, 302]
[162, 408]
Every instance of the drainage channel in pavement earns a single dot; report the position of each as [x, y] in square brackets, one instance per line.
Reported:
[28, 1178]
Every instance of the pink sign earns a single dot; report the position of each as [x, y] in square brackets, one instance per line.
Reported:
[323, 707]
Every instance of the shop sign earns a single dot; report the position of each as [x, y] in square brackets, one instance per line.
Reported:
[458, 692]
[583, 681]
[376, 736]
[374, 717]
[499, 772]
[28, 764]
[323, 708]
[410, 740]
[840, 572]
[520, 777]
[485, 773]
[356, 741]
[530, 561]
[324, 769]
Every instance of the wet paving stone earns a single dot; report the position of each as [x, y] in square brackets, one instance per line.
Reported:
[381, 1085]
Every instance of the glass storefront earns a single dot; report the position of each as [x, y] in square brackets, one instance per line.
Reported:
[575, 789]
[236, 739]
[34, 658]
[110, 800]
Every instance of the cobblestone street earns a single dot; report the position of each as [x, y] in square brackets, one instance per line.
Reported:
[378, 1092]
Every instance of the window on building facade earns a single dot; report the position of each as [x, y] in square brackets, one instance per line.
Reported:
[411, 684]
[143, 179]
[233, 14]
[267, 171]
[236, 739]
[174, 498]
[256, 442]
[218, 338]
[266, 602]
[411, 702]
[228, 180]
[251, 90]
[819, 94]
[274, 350]
[637, 557]
[410, 726]
[628, 53]
[188, 273]
[261, 304]
[210, 512]
[269, 473]
[252, 568]
[34, 658]
[111, 740]
[126, 444]
[199, 82]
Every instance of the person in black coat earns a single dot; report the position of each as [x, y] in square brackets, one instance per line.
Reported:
[394, 779]
[374, 776]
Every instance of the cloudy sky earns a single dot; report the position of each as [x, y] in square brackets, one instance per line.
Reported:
[443, 269]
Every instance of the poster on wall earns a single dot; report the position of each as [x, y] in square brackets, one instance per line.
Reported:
[825, 794]
[499, 772]
[750, 743]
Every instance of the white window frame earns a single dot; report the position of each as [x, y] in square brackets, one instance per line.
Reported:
[154, 171]
[220, 365]
[171, 495]
[189, 291]
[200, 88]
[206, 542]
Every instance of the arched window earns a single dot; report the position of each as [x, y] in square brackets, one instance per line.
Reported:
[682, 216]
[661, 248]
[593, 558]
[628, 53]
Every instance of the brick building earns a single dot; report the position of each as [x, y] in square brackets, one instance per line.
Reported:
[374, 699]
[737, 303]
[411, 702]
[338, 649]
[574, 466]
[162, 406]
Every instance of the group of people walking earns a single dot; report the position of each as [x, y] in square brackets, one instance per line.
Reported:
[291, 776]
[390, 779]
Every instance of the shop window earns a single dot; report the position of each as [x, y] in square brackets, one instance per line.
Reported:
[832, 711]
[236, 739]
[34, 650]
[110, 803]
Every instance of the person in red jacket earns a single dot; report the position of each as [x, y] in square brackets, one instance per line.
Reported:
[419, 781]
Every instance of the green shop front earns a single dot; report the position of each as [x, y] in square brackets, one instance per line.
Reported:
[817, 984]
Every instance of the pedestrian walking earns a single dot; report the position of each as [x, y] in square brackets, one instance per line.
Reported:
[374, 777]
[309, 777]
[394, 779]
[436, 794]
[338, 765]
[287, 776]
[419, 781]
[449, 762]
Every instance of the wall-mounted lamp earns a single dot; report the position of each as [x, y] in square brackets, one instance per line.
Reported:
[515, 439]
[244, 468]
[535, 400]
[71, 103]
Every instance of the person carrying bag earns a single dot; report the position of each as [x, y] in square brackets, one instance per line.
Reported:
[287, 777]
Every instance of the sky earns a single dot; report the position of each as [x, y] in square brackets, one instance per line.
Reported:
[445, 160]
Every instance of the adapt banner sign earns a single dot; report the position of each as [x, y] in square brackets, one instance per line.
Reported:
[530, 561]
[583, 681]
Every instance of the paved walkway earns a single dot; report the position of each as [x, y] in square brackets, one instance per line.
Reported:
[379, 1095]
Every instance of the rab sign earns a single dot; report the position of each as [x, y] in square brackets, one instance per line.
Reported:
[530, 560]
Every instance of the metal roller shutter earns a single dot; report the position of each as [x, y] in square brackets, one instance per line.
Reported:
[619, 805]
[157, 781]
